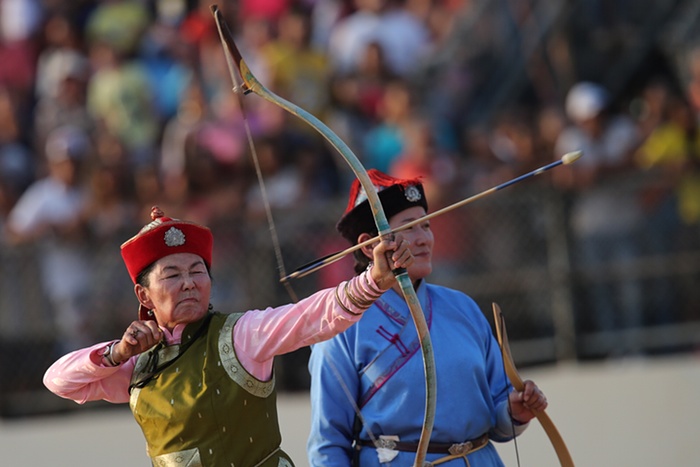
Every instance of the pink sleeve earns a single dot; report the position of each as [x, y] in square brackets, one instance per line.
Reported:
[260, 335]
[78, 377]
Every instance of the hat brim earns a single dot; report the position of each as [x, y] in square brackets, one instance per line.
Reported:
[394, 199]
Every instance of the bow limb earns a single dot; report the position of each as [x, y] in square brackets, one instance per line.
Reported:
[251, 84]
[516, 380]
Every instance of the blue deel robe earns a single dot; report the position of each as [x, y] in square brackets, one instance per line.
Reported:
[378, 363]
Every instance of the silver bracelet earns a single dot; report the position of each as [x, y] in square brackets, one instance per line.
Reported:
[107, 355]
[340, 303]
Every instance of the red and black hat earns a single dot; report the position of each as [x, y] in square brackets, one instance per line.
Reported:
[162, 237]
[395, 194]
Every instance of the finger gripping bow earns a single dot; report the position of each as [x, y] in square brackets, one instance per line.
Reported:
[251, 84]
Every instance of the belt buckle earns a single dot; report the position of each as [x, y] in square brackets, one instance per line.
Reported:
[461, 448]
[384, 443]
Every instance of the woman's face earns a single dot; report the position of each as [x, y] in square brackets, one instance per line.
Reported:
[421, 238]
[178, 291]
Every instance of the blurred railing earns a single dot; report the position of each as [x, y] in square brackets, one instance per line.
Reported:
[514, 248]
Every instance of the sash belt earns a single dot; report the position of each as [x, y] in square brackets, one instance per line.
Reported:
[455, 449]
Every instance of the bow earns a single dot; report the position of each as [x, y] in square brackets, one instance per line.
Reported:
[516, 380]
[251, 84]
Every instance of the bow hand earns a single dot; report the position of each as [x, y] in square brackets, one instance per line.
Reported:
[526, 403]
[392, 257]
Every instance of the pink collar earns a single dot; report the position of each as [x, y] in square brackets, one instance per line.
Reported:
[176, 336]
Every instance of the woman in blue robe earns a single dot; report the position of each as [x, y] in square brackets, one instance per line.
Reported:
[368, 383]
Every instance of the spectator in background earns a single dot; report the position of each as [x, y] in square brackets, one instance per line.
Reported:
[298, 72]
[605, 213]
[253, 39]
[119, 23]
[673, 147]
[199, 30]
[324, 16]
[437, 170]
[269, 9]
[61, 54]
[371, 78]
[420, 158]
[386, 141]
[670, 155]
[49, 214]
[404, 35]
[168, 63]
[283, 182]
[119, 96]
[17, 160]
[692, 86]
[550, 122]
[109, 214]
[20, 21]
[16, 174]
[355, 97]
[352, 33]
[512, 146]
[399, 27]
[180, 132]
[64, 100]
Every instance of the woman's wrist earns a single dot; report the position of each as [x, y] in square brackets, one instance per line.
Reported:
[514, 420]
[517, 422]
[375, 284]
[358, 293]
[108, 355]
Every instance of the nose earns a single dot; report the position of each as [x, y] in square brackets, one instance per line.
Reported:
[420, 238]
[188, 281]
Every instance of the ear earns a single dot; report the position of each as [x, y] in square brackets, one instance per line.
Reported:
[143, 296]
[367, 249]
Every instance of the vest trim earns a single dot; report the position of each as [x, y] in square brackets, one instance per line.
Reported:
[187, 458]
[233, 367]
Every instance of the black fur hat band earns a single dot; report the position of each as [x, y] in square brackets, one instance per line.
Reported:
[396, 195]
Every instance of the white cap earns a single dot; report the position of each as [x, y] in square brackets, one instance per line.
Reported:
[585, 100]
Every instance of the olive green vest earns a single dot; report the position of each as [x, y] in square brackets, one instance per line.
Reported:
[204, 409]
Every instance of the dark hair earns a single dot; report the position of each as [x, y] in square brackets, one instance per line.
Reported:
[142, 278]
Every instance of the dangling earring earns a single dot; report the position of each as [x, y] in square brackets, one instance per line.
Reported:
[150, 313]
[210, 308]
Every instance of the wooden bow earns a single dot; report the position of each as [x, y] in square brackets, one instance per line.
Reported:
[251, 84]
[516, 380]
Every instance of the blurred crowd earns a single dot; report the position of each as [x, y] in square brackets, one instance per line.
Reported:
[108, 107]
